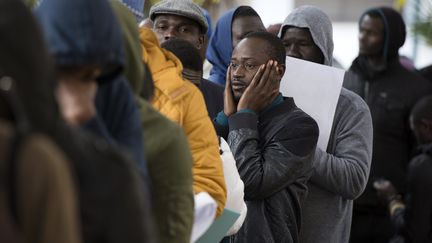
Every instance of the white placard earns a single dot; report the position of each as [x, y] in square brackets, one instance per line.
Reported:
[315, 89]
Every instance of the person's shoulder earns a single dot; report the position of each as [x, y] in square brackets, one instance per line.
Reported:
[421, 162]
[294, 117]
[154, 122]
[350, 100]
[420, 169]
[193, 92]
[211, 86]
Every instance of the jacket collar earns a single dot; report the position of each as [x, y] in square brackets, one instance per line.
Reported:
[278, 107]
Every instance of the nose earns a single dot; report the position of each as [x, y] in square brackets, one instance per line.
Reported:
[238, 72]
[170, 33]
[292, 50]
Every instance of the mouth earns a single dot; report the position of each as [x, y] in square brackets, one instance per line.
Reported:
[238, 85]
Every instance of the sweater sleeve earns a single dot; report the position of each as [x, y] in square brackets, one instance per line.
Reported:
[170, 167]
[207, 169]
[345, 171]
[283, 160]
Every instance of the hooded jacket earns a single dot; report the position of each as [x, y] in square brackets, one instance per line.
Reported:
[182, 102]
[86, 33]
[341, 172]
[111, 199]
[220, 47]
[390, 91]
[167, 152]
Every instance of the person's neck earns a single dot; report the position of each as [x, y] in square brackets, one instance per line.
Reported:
[193, 76]
[374, 60]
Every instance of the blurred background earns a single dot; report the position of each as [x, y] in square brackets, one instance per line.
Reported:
[344, 14]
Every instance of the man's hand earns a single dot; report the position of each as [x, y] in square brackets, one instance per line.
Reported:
[385, 190]
[76, 100]
[229, 104]
[262, 90]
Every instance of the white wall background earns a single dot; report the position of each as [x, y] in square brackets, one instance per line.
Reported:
[344, 33]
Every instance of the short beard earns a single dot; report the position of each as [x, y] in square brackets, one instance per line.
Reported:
[237, 98]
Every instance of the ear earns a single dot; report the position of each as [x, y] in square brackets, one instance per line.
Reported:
[200, 43]
[281, 70]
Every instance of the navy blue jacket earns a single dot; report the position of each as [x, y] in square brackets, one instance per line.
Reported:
[87, 33]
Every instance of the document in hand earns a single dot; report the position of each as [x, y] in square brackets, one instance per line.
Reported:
[205, 213]
[315, 89]
[219, 228]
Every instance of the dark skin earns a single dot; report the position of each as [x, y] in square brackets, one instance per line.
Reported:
[299, 44]
[173, 26]
[253, 79]
[371, 38]
[241, 26]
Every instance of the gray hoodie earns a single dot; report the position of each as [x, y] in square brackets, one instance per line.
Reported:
[340, 173]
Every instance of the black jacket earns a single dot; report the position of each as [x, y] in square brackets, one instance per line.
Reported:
[390, 95]
[390, 91]
[414, 223]
[273, 153]
[213, 96]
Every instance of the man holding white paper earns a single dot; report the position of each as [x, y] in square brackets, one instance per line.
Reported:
[341, 170]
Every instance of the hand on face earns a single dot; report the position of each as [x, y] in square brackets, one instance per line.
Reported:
[76, 99]
[229, 104]
[262, 90]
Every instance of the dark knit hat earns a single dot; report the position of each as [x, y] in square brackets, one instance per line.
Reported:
[184, 8]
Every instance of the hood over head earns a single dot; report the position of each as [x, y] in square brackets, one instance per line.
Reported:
[220, 54]
[394, 30]
[319, 25]
[82, 32]
[28, 65]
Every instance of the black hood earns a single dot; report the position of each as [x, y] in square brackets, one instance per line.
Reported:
[394, 38]
[394, 30]
[25, 59]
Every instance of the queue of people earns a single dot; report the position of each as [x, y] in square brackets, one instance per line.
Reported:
[110, 131]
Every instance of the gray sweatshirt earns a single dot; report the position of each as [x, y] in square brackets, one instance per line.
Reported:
[340, 173]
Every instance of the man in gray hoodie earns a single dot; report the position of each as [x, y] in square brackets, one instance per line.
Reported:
[341, 172]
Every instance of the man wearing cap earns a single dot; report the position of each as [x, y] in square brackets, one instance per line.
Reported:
[185, 20]
[179, 19]
[182, 102]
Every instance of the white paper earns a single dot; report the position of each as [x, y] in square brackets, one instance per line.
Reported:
[204, 215]
[315, 89]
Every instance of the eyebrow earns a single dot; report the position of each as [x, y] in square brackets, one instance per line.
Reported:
[245, 58]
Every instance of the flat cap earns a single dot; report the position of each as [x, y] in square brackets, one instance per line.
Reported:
[184, 8]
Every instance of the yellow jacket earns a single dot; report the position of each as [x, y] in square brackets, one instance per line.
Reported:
[182, 102]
